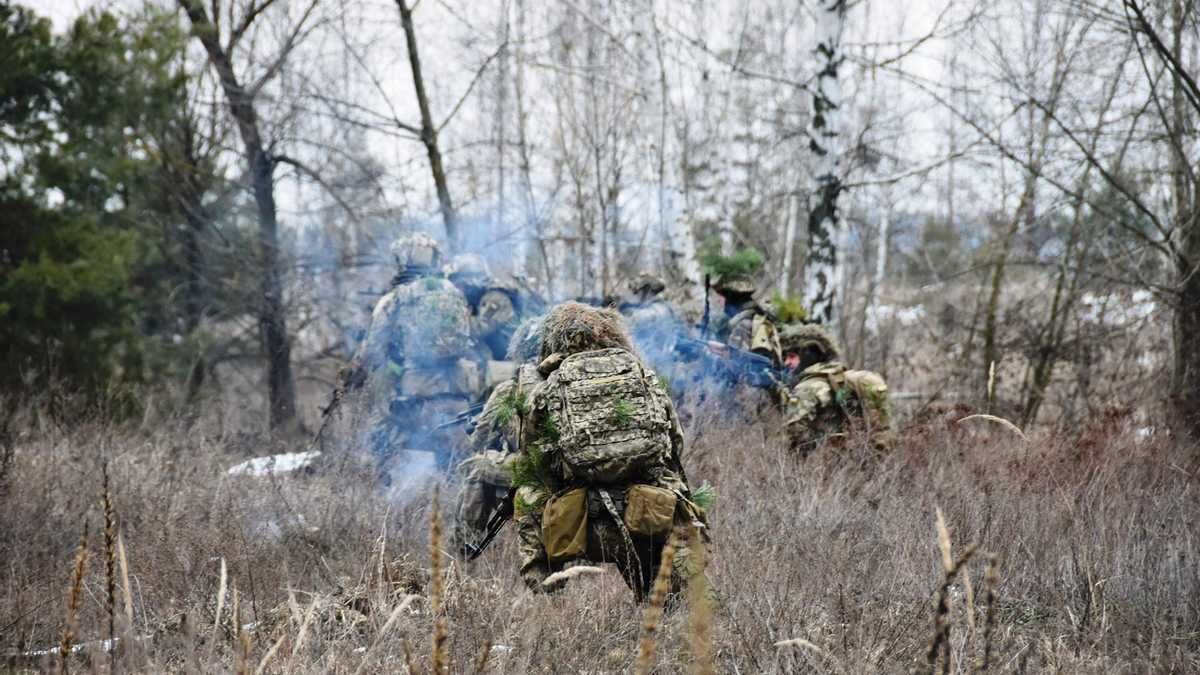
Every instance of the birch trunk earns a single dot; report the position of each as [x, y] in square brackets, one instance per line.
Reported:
[824, 221]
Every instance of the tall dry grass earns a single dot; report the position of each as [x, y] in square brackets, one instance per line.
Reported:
[832, 564]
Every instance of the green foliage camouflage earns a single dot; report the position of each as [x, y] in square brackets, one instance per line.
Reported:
[788, 309]
[747, 261]
[514, 404]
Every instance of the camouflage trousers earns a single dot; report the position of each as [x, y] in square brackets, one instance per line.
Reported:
[638, 558]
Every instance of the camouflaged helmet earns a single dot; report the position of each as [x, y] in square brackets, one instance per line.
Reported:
[525, 345]
[574, 327]
[734, 285]
[815, 344]
[416, 252]
[466, 265]
[648, 284]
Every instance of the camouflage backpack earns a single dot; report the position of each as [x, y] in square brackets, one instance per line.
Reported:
[610, 417]
[433, 318]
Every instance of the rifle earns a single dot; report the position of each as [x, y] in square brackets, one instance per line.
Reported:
[501, 515]
[463, 417]
[735, 365]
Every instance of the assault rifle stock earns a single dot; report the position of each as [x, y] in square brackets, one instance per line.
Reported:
[733, 364]
[502, 514]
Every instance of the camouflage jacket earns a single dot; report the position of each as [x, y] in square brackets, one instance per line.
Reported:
[829, 398]
[419, 342]
[751, 329]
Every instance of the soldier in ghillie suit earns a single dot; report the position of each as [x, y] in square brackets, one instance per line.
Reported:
[487, 474]
[418, 362]
[599, 477]
[823, 400]
[496, 305]
[744, 323]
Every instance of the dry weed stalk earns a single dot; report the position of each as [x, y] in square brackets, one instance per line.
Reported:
[110, 558]
[437, 656]
[991, 578]
[940, 644]
[571, 573]
[482, 659]
[73, 597]
[700, 611]
[126, 592]
[654, 610]
[387, 627]
[410, 663]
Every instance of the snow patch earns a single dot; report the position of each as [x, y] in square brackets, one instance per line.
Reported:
[273, 464]
[1117, 309]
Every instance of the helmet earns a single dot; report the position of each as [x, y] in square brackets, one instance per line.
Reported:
[734, 284]
[525, 345]
[647, 283]
[814, 344]
[467, 265]
[416, 252]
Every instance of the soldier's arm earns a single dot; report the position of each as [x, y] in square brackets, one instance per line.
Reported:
[489, 434]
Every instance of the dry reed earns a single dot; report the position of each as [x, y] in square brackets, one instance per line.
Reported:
[110, 561]
[940, 644]
[654, 610]
[74, 595]
[437, 656]
[991, 578]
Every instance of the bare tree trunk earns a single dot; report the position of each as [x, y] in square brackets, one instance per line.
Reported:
[429, 133]
[1186, 326]
[789, 247]
[824, 222]
[271, 318]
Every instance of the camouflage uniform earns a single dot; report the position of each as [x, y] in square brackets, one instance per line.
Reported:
[564, 425]
[495, 304]
[653, 323]
[486, 474]
[824, 400]
[745, 324]
[418, 359]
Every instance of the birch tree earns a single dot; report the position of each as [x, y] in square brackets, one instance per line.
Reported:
[824, 225]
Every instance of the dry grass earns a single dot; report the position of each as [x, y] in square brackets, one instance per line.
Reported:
[836, 560]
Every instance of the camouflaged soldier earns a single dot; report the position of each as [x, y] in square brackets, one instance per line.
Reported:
[599, 476]
[823, 400]
[495, 305]
[487, 474]
[744, 323]
[653, 323]
[418, 361]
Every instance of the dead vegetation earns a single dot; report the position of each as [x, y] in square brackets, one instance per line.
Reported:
[1051, 553]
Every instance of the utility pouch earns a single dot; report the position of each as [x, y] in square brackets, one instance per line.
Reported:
[764, 339]
[649, 510]
[564, 525]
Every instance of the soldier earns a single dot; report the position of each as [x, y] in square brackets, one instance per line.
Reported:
[495, 305]
[653, 322]
[599, 477]
[486, 475]
[417, 360]
[823, 400]
[744, 323]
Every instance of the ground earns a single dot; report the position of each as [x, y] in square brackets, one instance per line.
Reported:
[824, 564]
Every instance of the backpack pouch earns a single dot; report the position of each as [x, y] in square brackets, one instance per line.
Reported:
[564, 525]
[649, 510]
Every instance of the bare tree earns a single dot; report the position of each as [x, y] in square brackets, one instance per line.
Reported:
[242, 98]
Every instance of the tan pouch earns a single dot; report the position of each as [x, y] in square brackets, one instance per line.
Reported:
[564, 525]
[649, 510]
[764, 338]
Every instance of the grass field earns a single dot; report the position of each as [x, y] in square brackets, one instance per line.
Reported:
[829, 564]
